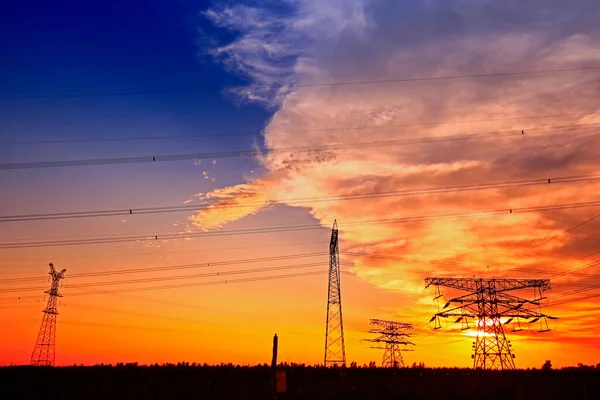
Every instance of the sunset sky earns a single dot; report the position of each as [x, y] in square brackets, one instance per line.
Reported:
[462, 141]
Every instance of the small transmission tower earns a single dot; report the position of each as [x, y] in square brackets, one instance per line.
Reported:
[393, 339]
[335, 350]
[43, 352]
[489, 302]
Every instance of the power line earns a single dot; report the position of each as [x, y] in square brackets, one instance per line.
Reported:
[215, 264]
[316, 199]
[186, 285]
[579, 316]
[219, 273]
[475, 135]
[280, 228]
[586, 288]
[574, 270]
[592, 296]
[104, 255]
[555, 236]
[173, 267]
[179, 286]
[171, 278]
[457, 264]
[558, 235]
[569, 272]
[235, 153]
[309, 85]
[237, 262]
[409, 259]
[228, 263]
[453, 264]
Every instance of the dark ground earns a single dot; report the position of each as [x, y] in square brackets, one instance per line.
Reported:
[231, 382]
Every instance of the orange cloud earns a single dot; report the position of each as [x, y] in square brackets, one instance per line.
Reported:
[232, 203]
[536, 126]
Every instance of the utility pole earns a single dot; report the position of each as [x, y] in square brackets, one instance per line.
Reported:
[274, 358]
[274, 368]
[44, 350]
[278, 382]
[489, 302]
[335, 350]
[393, 339]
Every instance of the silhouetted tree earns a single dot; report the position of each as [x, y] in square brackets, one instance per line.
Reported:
[547, 365]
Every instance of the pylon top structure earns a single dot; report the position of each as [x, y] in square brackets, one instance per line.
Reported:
[393, 339]
[489, 302]
[335, 350]
[44, 350]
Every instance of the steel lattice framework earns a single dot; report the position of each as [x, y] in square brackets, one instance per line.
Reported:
[393, 339]
[335, 350]
[44, 350]
[489, 302]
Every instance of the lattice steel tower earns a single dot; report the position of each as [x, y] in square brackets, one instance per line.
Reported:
[44, 350]
[488, 301]
[335, 350]
[393, 339]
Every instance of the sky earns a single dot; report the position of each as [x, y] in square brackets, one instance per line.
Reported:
[413, 124]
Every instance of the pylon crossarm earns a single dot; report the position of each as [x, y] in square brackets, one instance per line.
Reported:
[500, 285]
[504, 285]
[383, 323]
[384, 339]
[468, 284]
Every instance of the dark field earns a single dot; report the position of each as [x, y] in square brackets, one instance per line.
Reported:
[231, 382]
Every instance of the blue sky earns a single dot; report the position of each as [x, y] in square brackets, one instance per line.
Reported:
[98, 47]
[82, 47]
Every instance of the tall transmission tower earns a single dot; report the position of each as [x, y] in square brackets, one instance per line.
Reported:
[393, 339]
[488, 301]
[44, 350]
[335, 350]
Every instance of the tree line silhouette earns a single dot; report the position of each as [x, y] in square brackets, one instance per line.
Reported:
[228, 381]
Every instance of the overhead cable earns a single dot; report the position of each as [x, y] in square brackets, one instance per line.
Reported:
[300, 85]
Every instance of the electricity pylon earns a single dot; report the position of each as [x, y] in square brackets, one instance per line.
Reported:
[393, 339]
[44, 350]
[489, 302]
[335, 350]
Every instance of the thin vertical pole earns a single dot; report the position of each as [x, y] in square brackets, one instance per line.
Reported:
[274, 368]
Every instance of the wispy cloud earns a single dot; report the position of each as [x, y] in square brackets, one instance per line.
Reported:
[232, 203]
